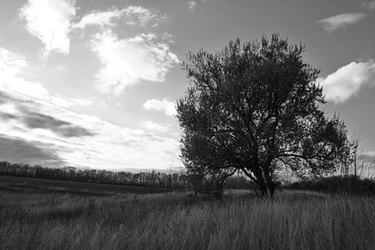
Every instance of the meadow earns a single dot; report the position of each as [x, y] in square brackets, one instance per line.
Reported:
[46, 186]
[173, 220]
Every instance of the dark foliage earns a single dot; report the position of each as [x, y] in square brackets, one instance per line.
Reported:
[239, 182]
[337, 185]
[254, 108]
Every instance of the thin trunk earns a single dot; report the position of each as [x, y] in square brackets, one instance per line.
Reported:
[264, 181]
[262, 184]
[271, 186]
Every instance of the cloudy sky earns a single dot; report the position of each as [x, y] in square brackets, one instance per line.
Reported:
[93, 83]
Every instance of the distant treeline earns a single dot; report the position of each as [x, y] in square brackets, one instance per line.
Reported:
[337, 185]
[168, 180]
[153, 178]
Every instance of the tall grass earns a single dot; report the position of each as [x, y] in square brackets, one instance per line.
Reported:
[170, 221]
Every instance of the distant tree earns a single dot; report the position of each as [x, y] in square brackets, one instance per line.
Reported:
[254, 107]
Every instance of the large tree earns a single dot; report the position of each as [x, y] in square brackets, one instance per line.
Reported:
[255, 107]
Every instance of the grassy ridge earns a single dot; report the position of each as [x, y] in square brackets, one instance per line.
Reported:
[293, 220]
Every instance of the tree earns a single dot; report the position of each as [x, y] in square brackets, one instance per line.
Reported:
[254, 107]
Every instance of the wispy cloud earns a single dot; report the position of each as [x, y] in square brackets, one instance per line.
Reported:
[105, 18]
[131, 59]
[53, 134]
[370, 5]
[34, 122]
[132, 15]
[12, 67]
[49, 21]
[348, 80]
[69, 102]
[128, 61]
[333, 23]
[30, 152]
[142, 16]
[191, 4]
[155, 127]
[369, 156]
[169, 108]
[11, 70]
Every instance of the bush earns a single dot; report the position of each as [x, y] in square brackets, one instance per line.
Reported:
[337, 184]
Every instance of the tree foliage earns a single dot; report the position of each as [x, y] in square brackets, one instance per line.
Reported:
[254, 107]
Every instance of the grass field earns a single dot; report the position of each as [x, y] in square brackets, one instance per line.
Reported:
[46, 186]
[292, 220]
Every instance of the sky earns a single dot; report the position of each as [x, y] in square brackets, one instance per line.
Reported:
[93, 83]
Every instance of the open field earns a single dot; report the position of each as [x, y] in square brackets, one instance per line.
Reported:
[46, 186]
[292, 220]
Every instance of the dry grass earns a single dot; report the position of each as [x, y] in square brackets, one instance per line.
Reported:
[46, 186]
[170, 221]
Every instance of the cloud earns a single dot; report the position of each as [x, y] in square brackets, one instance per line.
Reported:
[370, 5]
[35, 120]
[63, 128]
[12, 68]
[139, 15]
[81, 140]
[191, 4]
[333, 23]
[348, 80]
[17, 150]
[369, 156]
[152, 126]
[169, 108]
[49, 21]
[128, 61]
[98, 18]
[109, 146]
[132, 15]
[69, 102]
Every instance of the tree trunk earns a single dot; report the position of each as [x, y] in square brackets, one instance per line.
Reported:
[262, 184]
[271, 186]
[271, 189]
[263, 188]
[267, 189]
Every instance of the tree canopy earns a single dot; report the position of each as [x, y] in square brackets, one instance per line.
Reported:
[254, 107]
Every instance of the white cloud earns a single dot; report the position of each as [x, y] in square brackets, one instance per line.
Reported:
[49, 20]
[98, 18]
[128, 61]
[169, 108]
[11, 62]
[69, 102]
[132, 15]
[370, 153]
[141, 16]
[333, 23]
[12, 80]
[115, 146]
[191, 4]
[152, 126]
[11, 66]
[103, 145]
[348, 80]
[76, 139]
